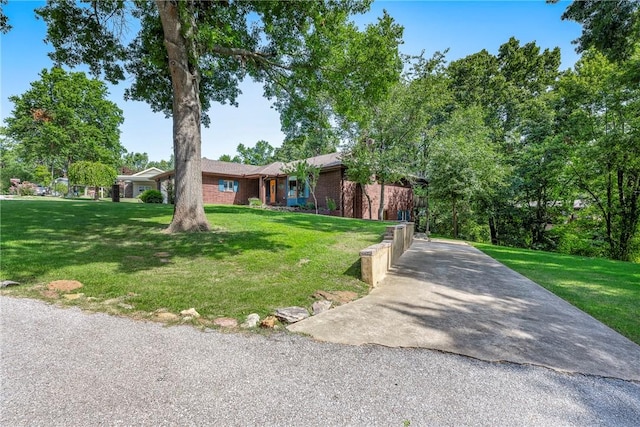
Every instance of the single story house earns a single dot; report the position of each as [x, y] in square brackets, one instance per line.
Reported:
[132, 186]
[235, 183]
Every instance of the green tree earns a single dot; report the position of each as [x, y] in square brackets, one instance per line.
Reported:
[188, 54]
[601, 122]
[134, 162]
[11, 164]
[92, 174]
[165, 165]
[228, 158]
[4, 21]
[258, 155]
[612, 26]
[306, 173]
[64, 118]
[464, 165]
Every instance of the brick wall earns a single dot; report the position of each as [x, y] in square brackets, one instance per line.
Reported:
[328, 187]
[247, 188]
[397, 198]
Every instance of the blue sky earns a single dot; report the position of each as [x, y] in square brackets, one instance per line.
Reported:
[463, 27]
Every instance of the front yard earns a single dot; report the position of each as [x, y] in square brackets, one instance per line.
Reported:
[254, 261]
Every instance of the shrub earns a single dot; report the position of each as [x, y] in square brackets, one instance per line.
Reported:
[151, 196]
[331, 204]
[255, 202]
[60, 188]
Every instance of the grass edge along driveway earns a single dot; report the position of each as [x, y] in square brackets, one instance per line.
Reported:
[607, 290]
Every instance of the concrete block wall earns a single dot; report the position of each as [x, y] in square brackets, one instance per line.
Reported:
[377, 259]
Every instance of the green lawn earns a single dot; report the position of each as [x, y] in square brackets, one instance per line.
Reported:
[254, 261]
[607, 290]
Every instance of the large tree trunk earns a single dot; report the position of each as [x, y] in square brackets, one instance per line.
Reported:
[188, 214]
[381, 208]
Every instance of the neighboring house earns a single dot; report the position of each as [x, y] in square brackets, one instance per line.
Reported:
[235, 183]
[132, 186]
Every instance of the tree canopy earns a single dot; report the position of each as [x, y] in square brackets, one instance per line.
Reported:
[63, 118]
[187, 55]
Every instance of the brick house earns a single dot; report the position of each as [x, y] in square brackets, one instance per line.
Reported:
[235, 183]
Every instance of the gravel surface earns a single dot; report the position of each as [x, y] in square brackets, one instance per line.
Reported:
[71, 368]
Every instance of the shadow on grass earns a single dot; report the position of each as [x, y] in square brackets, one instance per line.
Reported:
[39, 237]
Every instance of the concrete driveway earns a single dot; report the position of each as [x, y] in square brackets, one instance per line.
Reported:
[451, 297]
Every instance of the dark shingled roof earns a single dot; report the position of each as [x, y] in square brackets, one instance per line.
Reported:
[273, 169]
[228, 168]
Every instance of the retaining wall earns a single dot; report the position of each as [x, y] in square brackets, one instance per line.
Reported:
[377, 259]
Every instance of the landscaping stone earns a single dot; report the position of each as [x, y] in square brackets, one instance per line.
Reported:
[64, 285]
[71, 297]
[292, 314]
[190, 312]
[321, 306]
[252, 321]
[7, 283]
[226, 322]
[268, 322]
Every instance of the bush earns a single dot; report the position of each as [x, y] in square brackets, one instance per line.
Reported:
[151, 196]
[255, 202]
[331, 204]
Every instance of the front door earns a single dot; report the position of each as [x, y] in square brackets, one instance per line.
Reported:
[272, 191]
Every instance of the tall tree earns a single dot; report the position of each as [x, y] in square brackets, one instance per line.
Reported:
[64, 118]
[612, 26]
[258, 155]
[134, 162]
[4, 21]
[601, 125]
[188, 54]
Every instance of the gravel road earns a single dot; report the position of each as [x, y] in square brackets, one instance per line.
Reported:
[67, 367]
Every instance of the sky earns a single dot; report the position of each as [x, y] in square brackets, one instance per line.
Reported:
[463, 27]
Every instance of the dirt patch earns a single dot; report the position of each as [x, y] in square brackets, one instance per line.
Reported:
[64, 285]
[338, 297]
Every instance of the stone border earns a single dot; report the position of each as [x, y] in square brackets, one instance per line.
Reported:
[377, 259]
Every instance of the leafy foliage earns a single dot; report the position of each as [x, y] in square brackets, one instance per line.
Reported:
[92, 174]
[151, 196]
[64, 118]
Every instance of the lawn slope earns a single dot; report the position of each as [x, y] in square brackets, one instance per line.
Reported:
[255, 260]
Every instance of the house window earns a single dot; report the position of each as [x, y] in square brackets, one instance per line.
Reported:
[143, 188]
[293, 187]
[228, 186]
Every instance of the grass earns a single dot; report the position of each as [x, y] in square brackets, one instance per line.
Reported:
[607, 290]
[254, 261]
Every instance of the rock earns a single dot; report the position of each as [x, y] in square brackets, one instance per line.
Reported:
[321, 306]
[64, 285]
[268, 322]
[73, 296]
[226, 322]
[7, 283]
[292, 314]
[165, 316]
[252, 321]
[190, 312]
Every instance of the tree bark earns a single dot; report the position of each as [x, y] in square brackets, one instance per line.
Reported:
[188, 214]
[381, 208]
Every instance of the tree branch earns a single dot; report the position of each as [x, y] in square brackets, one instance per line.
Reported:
[244, 54]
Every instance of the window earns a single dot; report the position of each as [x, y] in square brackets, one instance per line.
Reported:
[143, 188]
[293, 187]
[228, 186]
